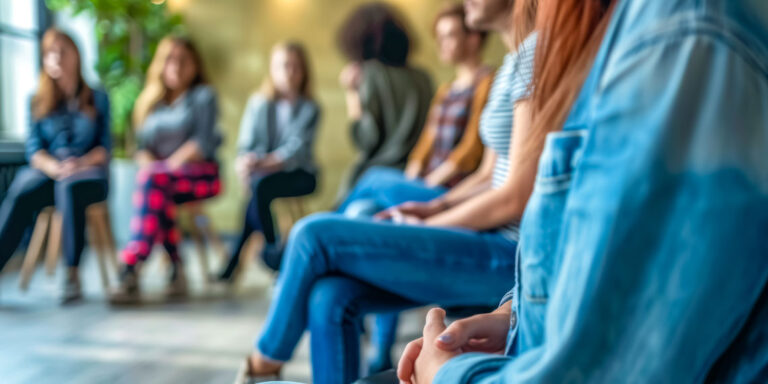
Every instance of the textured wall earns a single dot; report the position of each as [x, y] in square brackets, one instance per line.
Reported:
[235, 37]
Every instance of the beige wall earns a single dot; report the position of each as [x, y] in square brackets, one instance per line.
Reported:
[235, 37]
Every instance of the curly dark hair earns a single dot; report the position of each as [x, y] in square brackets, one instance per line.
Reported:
[375, 31]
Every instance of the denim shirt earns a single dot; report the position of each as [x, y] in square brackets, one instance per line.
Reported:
[67, 132]
[644, 248]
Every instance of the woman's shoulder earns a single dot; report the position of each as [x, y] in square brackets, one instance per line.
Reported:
[202, 94]
[257, 102]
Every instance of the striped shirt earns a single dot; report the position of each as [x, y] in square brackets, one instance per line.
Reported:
[510, 85]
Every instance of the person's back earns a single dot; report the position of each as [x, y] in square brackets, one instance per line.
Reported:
[395, 102]
[387, 99]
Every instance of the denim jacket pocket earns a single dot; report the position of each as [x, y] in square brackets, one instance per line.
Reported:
[542, 220]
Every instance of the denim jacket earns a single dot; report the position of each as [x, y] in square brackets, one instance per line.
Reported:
[71, 133]
[644, 247]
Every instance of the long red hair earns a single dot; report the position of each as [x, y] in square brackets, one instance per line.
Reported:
[570, 34]
[49, 96]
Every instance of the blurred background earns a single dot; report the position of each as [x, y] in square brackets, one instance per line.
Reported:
[204, 339]
[117, 39]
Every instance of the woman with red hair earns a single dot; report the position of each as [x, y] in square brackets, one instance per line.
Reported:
[68, 152]
[643, 247]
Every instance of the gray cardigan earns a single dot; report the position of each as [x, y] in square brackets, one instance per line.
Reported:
[191, 117]
[293, 143]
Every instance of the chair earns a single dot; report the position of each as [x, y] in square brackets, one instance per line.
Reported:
[46, 237]
[294, 209]
[198, 223]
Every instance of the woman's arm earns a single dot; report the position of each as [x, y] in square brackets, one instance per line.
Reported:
[350, 79]
[442, 174]
[144, 158]
[96, 157]
[496, 207]
[35, 148]
[189, 152]
[476, 183]
[46, 163]
[300, 141]
[204, 140]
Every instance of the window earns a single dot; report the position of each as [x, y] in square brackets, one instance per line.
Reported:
[21, 23]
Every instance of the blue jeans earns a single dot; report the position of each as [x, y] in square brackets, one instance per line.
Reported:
[381, 188]
[407, 265]
[378, 189]
[32, 190]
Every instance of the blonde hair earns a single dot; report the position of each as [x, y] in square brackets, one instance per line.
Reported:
[267, 88]
[154, 88]
[49, 95]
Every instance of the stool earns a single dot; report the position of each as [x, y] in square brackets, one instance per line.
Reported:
[47, 233]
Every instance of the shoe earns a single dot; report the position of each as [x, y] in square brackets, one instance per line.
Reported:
[72, 288]
[127, 291]
[272, 255]
[245, 375]
[177, 287]
[230, 273]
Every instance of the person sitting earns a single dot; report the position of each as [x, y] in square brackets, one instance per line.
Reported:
[275, 158]
[456, 250]
[68, 150]
[176, 116]
[643, 247]
[387, 98]
[448, 150]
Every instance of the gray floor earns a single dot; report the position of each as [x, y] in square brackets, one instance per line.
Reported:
[201, 340]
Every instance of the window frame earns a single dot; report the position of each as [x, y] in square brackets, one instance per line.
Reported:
[43, 22]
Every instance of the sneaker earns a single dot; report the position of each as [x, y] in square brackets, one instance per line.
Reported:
[127, 291]
[72, 289]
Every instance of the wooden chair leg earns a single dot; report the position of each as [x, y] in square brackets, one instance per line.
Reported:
[202, 252]
[99, 214]
[210, 236]
[300, 211]
[54, 244]
[109, 238]
[35, 249]
[99, 243]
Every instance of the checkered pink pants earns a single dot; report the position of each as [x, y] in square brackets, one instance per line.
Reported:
[158, 192]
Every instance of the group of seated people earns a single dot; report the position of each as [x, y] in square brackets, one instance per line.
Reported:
[610, 178]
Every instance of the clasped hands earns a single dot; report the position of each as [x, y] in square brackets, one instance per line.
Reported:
[424, 357]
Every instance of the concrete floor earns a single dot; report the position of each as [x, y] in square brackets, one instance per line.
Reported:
[200, 340]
